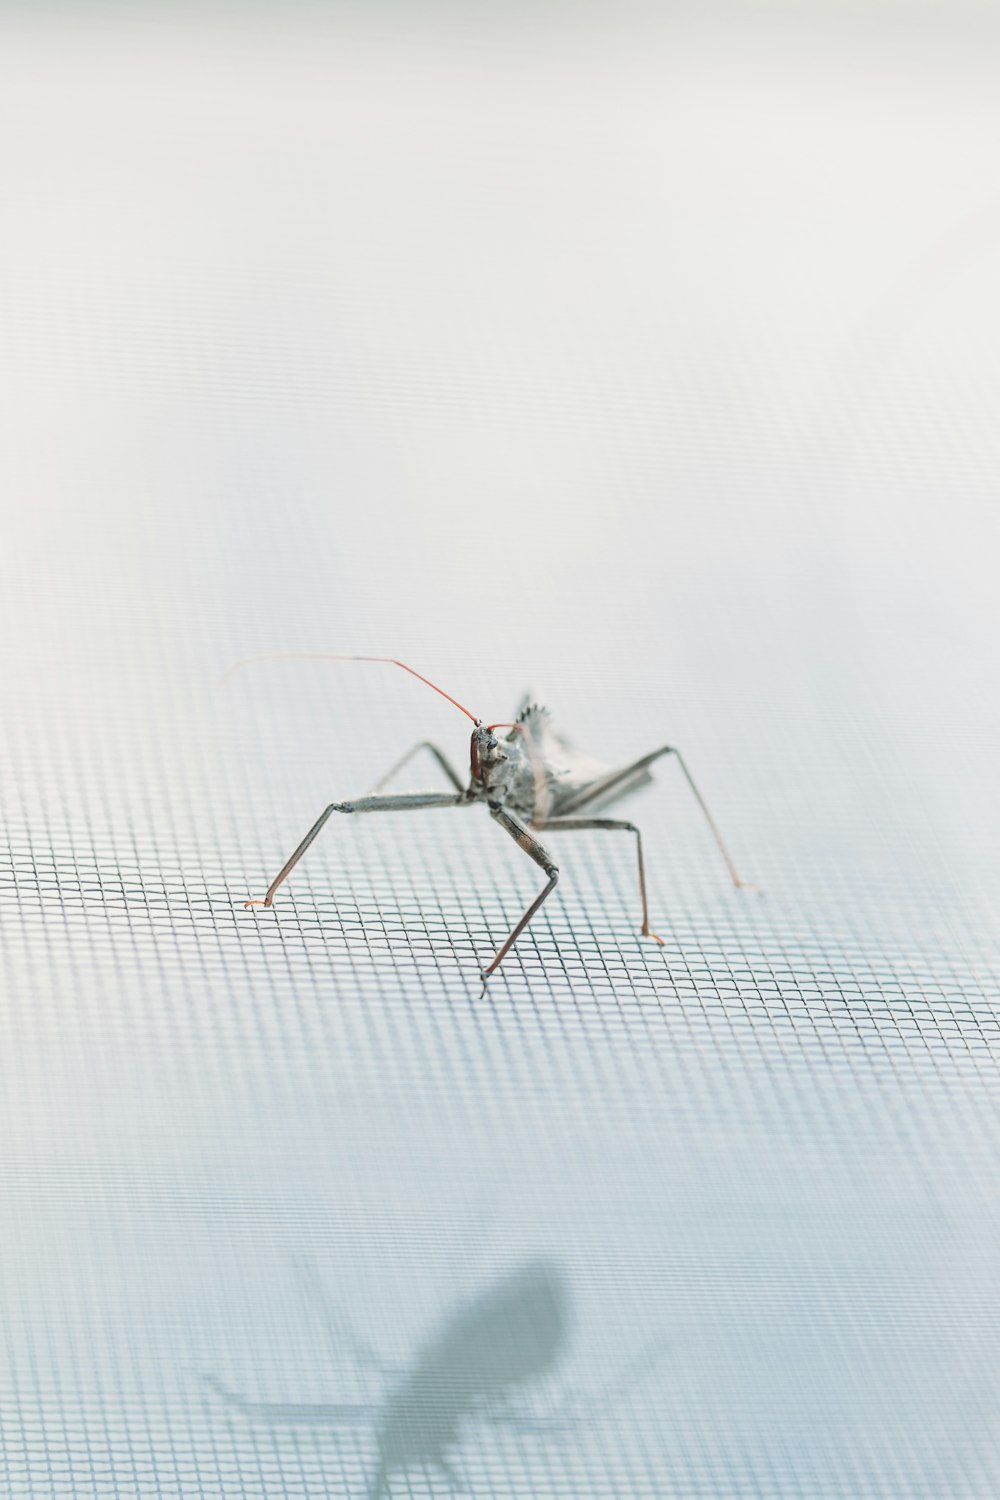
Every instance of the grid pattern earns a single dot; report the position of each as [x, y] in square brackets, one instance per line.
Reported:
[294, 1155]
[762, 1156]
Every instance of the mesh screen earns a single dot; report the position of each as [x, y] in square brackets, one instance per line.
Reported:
[462, 343]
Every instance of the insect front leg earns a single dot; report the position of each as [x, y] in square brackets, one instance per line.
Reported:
[405, 802]
[613, 825]
[438, 755]
[306, 1414]
[451, 1474]
[526, 841]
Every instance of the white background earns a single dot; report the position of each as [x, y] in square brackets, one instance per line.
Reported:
[648, 359]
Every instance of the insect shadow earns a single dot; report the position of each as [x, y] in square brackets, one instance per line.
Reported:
[532, 779]
[470, 1369]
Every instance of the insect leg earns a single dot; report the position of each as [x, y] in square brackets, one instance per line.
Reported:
[520, 834]
[339, 1330]
[438, 755]
[613, 824]
[405, 802]
[577, 1407]
[617, 780]
[319, 1414]
[451, 1474]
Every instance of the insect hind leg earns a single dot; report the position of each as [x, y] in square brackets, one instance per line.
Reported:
[615, 825]
[634, 775]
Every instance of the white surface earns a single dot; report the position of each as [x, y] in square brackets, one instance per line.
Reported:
[656, 365]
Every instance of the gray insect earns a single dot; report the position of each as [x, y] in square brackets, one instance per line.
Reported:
[531, 780]
[512, 1333]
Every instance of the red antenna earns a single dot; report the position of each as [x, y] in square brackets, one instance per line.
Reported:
[326, 656]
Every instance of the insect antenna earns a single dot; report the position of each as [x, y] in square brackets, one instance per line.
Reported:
[327, 656]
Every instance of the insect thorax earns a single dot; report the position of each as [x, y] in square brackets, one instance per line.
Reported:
[514, 771]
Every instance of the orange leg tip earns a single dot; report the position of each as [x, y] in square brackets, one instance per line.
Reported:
[255, 903]
[648, 932]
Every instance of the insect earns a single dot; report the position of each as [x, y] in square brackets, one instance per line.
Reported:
[531, 779]
[512, 1333]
